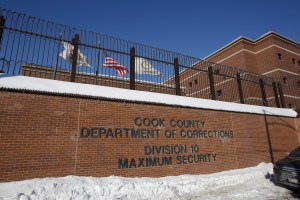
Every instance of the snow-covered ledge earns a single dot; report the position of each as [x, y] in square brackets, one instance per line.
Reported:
[62, 87]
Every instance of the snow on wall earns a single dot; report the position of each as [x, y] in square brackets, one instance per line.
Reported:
[62, 87]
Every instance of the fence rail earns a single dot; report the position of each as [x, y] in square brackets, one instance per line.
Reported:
[36, 47]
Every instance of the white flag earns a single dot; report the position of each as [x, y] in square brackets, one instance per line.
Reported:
[67, 54]
[142, 66]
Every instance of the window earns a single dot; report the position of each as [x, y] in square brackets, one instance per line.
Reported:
[190, 84]
[279, 56]
[299, 62]
[298, 84]
[293, 60]
[284, 80]
[219, 93]
[196, 81]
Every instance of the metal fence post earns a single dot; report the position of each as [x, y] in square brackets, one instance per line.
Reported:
[281, 95]
[2, 24]
[263, 92]
[132, 68]
[275, 94]
[239, 82]
[211, 83]
[177, 78]
[75, 43]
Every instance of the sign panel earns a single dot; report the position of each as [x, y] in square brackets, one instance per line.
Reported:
[162, 154]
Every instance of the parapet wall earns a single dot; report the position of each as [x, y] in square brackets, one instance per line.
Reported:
[47, 135]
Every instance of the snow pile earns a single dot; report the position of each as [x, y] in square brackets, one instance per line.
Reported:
[61, 87]
[248, 183]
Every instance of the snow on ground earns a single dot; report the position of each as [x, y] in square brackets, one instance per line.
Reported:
[62, 87]
[248, 183]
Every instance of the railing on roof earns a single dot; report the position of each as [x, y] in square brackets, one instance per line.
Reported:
[36, 47]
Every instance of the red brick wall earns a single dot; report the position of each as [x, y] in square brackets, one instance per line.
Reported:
[234, 57]
[263, 56]
[40, 137]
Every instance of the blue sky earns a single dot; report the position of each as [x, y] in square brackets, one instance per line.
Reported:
[192, 27]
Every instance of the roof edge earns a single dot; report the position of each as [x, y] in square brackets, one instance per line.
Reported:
[241, 38]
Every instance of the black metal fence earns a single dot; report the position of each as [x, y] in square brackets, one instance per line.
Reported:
[36, 47]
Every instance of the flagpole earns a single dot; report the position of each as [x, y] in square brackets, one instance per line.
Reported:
[98, 64]
[57, 56]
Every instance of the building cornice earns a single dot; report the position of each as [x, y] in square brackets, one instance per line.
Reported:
[245, 39]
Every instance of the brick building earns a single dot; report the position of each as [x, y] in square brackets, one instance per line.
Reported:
[272, 55]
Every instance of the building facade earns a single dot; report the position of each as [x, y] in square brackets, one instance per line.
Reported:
[272, 55]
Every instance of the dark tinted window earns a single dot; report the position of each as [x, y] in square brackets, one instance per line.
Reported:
[295, 153]
[284, 80]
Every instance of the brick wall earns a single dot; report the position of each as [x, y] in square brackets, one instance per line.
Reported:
[40, 137]
[260, 56]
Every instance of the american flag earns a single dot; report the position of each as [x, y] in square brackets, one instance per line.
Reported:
[111, 63]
